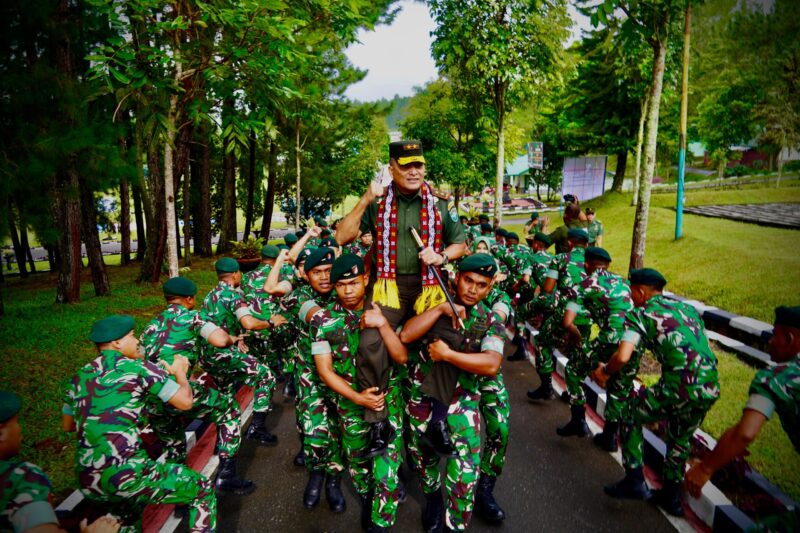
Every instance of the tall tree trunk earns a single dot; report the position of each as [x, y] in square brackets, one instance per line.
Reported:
[154, 201]
[298, 194]
[228, 222]
[269, 195]
[619, 172]
[23, 240]
[187, 234]
[639, 142]
[180, 167]
[169, 186]
[251, 184]
[91, 238]
[138, 215]
[643, 208]
[125, 222]
[201, 184]
[19, 253]
[498, 193]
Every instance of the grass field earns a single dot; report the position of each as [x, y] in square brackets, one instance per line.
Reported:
[739, 267]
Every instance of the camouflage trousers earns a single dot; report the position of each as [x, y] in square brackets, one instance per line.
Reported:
[580, 364]
[461, 479]
[378, 475]
[142, 481]
[495, 408]
[319, 422]
[229, 366]
[169, 423]
[619, 388]
[683, 417]
[546, 342]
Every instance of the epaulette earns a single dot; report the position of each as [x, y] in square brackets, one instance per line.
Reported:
[442, 195]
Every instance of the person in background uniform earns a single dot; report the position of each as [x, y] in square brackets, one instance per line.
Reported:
[335, 333]
[176, 331]
[573, 218]
[688, 387]
[225, 305]
[607, 299]
[773, 389]
[316, 408]
[564, 275]
[109, 396]
[479, 353]
[533, 305]
[401, 281]
[594, 229]
[536, 224]
[361, 246]
[25, 491]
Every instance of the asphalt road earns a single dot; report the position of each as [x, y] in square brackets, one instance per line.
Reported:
[549, 483]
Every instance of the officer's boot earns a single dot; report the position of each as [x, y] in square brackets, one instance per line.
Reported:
[228, 481]
[258, 430]
[333, 493]
[607, 440]
[669, 498]
[433, 515]
[438, 435]
[545, 390]
[378, 438]
[522, 353]
[313, 489]
[300, 458]
[485, 505]
[366, 511]
[576, 427]
[631, 487]
[288, 388]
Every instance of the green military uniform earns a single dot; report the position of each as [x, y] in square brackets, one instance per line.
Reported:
[316, 413]
[335, 331]
[777, 389]
[559, 235]
[357, 248]
[108, 397]
[531, 305]
[224, 305]
[607, 299]
[595, 230]
[176, 331]
[463, 420]
[25, 497]
[688, 387]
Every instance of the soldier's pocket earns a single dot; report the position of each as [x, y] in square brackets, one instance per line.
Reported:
[336, 337]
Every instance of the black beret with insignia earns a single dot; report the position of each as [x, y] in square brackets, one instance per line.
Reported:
[329, 242]
[179, 286]
[483, 264]
[319, 257]
[10, 404]
[787, 316]
[348, 266]
[111, 328]
[647, 276]
[303, 255]
[405, 152]
[595, 252]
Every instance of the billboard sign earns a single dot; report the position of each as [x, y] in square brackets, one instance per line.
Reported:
[585, 177]
[535, 155]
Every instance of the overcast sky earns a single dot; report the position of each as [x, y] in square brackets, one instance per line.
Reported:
[398, 57]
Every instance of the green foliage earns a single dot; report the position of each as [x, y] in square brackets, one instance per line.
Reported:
[250, 248]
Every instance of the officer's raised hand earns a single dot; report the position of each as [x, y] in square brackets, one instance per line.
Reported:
[375, 190]
[372, 399]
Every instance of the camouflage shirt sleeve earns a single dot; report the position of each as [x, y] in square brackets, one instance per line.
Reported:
[581, 295]
[319, 340]
[774, 389]
[493, 339]
[237, 304]
[634, 327]
[157, 382]
[69, 398]
[26, 493]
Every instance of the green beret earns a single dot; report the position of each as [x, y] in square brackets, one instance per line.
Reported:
[534, 215]
[179, 286]
[322, 223]
[512, 236]
[282, 247]
[483, 217]
[303, 255]
[10, 405]
[226, 265]
[270, 251]
[595, 252]
[319, 257]
[787, 316]
[325, 233]
[485, 226]
[483, 264]
[578, 234]
[543, 238]
[501, 231]
[290, 238]
[300, 233]
[330, 242]
[111, 328]
[647, 276]
[348, 266]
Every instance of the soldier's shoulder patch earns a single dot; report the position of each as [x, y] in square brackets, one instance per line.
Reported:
[452, 211]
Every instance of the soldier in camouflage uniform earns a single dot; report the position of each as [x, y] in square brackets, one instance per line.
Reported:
[176, 331]
[533, 304]
[773, 389]
[607, 299]
[25, 490]
[485, 336]
[109, 396]
[315, 406]
[360, 246]
[688, 387]
[564, 275]
[335, 333]
[225, 305]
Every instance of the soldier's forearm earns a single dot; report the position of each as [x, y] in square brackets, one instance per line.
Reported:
[482, 363]
[455, 251]
[735, 440]
[620, 357]
[397, 350]
[347, 230]
[417, 326]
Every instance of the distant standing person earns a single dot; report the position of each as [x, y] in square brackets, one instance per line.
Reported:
[595, 228]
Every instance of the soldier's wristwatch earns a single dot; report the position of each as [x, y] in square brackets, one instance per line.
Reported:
[445, 259]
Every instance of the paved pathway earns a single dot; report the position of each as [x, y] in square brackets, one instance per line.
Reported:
[778, 214]
[550, 483]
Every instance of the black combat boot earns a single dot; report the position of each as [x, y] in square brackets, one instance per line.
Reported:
[380, 435]
[228, 481]
[545, 390]
[300, 458]
[433, 515]
[333, 493]
[485, 505]
[374, 528]
[577, 426]
[438, 436]
[313, 489]
[669, 498]
[366, 511]
[522, 353]
[258, 431]
[631, 487]
[288, 388]
[607, 440]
